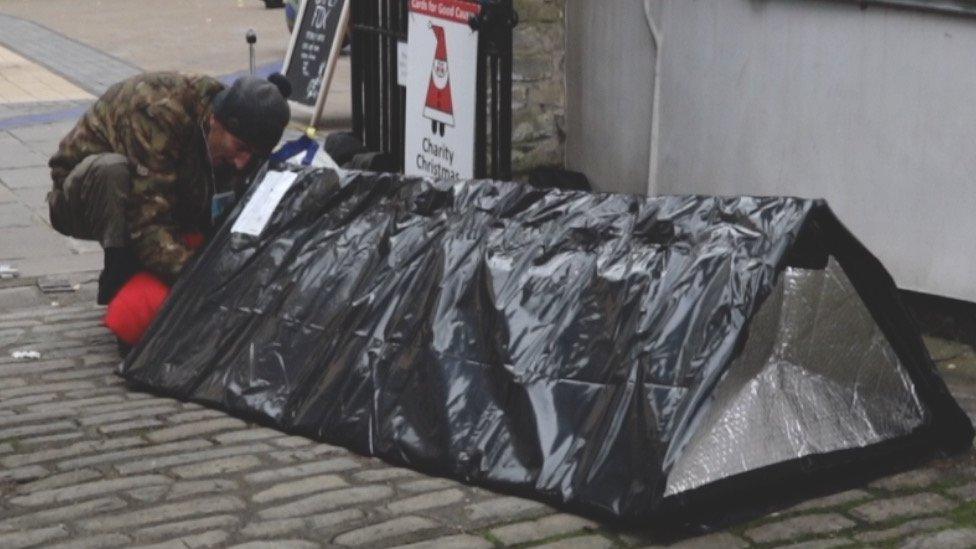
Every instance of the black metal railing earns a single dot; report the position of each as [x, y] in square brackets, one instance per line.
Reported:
[379, 103]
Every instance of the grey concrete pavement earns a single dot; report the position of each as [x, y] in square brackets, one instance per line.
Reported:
[28, 243]
[84, 65]
[205, 36]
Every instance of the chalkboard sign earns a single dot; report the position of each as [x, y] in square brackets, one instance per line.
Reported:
[315, 43]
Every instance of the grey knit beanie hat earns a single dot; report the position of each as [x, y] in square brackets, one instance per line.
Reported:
[255, 110]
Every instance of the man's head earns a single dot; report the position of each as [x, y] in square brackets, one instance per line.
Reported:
[248, 120]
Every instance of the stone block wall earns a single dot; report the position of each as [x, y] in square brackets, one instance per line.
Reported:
[539, 85]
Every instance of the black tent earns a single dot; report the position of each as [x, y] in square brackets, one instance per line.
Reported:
[627, 356]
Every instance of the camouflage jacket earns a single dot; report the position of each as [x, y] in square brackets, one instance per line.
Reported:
[158, 121]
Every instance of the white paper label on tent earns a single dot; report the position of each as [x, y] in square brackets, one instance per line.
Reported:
[441, 85]
[257, 212]
[402, 63]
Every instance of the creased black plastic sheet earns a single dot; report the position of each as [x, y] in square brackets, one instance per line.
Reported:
[587, 349]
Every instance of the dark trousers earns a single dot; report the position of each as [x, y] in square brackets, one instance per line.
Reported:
[90, 205]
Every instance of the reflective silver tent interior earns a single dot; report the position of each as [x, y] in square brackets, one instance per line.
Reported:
[812, 347]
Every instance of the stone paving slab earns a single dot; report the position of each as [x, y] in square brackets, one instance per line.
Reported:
[35, 199]
[26, 177]
[20, 242]
[22, 81]
[85, 461]
[15, 216]
[26, 115]
[29, 243]
[86, 266]
[16, 154]
[91, 69]
[47, 133]
[7, 196]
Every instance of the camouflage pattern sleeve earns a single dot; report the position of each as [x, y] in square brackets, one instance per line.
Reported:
[153, 145]
[87, 137]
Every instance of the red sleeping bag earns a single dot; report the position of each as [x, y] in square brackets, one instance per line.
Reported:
[133, 309]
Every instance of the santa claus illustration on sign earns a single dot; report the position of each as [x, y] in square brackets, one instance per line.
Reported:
[439, 108]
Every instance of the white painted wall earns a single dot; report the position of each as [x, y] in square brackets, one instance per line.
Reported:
[609, 67]
[874, 110]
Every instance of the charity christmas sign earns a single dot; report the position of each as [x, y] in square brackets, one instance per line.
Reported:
[441, 83]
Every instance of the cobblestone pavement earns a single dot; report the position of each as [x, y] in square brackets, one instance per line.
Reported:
[87, 462]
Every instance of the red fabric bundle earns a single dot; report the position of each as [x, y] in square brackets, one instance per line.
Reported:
[135, 306]
[133, 309]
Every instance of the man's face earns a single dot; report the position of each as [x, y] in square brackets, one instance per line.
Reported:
[226, 150]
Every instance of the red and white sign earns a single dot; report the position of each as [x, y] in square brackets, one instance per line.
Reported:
[441, 83]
